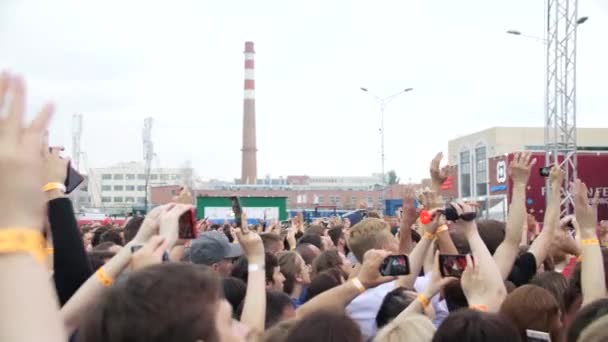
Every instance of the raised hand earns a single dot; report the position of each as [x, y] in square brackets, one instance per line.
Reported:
[150, 254]
[556, 176]
[479, 290]
[151, 224]
[409, 209]
[369, 273]
[21, 175]
[586, 214]
[438, 175]
[169, 222]
[251, 242]
[519, 169]
[184, 197]
[430, 199]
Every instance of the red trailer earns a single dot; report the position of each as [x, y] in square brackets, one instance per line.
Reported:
[592, 170]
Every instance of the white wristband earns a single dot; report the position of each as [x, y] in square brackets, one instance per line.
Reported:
[255, 267]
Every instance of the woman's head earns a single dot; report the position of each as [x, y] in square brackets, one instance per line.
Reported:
[325, 326]
[331, 259]
[167, 302]
[294, 269]
[532, 307]
[324, 281]
[414, 328]
[475, 326]
[555, 283]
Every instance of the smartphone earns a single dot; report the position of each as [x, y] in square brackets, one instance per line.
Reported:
[187, 225]
[395, 265]
[452, 265]
[545, 171]
[73, 180]
[237, 209]
[537, 336]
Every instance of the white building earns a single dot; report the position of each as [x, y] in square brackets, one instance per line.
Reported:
[124, 185]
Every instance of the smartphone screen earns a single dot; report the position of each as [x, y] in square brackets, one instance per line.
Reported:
[238, 211]
[452, 265]
[395, 265]
[73, 179]
[187, 225]
[537, 336]
[545, 171]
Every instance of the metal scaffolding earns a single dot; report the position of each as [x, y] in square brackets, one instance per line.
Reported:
[560, 96]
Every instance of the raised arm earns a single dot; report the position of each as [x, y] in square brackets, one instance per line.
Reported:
[408, 218]
[507, 251]
[29, 305]
[542, 244]
[438, 174]
[592, 269]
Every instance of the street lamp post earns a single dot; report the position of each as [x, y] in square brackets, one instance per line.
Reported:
[383, 102]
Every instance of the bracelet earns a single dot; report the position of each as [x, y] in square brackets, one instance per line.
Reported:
[50, 250]
[478, 307]
[424, 300]
[428, 236]
[18, 240]
[255, 267]
[358, 284]
[590, 242]
[103, 277]
[441, 229]
[53, 186]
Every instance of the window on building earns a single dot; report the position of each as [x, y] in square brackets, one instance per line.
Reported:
[106, 199]
[338, 200]
[153, 177]
[130, 176]
[353, 201]
[84, 188]
[83, 199]
[321, 199]
[130, 187]
[141, 200]
[119, 176]
[164, 177]
[117, 199]
[106, 176]
[130, 199]
[370, 201]
[141, 176]
[481, 171]
[118, 188]
[141, 188]
[174, 177]
[465, 174]
[106, 188]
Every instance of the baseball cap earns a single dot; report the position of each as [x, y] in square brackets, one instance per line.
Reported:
[212, 247]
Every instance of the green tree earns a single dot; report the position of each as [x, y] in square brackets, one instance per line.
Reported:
[392, 177]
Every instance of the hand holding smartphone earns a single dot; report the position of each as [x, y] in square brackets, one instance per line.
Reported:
[452, 265]
[237, 209]
[187, 225]
[395, 265]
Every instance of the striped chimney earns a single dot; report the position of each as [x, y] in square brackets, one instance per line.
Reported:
[249, 150]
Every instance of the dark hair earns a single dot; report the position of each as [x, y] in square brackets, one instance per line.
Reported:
[312, 239]
[586, 316]
[272, 242]
[336, 233]
[532, 307]
[234, 292]
[98, 258]
[276, 303]
[95, 240]
[325, 326]
[492, 233]
[327, 260]
[241, 265]
[226, 230]
[324, 281]
[475, 326]
[394, 302]
[112, 235]
[104, 246]
[315, 230]
[555, 283]
[132, 227]
[454, 296]
[215, 226]
[306, 252]
[166, 302]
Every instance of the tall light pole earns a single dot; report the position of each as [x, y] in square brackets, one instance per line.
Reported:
[383, 102]
[560, 90]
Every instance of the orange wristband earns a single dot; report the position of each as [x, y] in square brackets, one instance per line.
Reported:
[52, 186]
[590, 242]
[103, 277]
[19, 240]
[441, 229]
[424, 300]
[428, 236]
[478, 307]
[358, 284]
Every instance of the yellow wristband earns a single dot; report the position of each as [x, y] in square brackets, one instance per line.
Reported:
[478, 307]
[50, 250]
[441, 229]
[103, 277]
[590, 242]
[424, 300]
[19, 240]
[428, 236]
[358, 284]
[53, 186]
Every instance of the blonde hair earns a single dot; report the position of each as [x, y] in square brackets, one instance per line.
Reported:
[370, 233]
[414, 328]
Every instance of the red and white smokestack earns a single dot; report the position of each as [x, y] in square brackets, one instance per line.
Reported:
[249, 150]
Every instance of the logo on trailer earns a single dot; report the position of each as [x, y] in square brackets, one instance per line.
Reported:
[501, 171]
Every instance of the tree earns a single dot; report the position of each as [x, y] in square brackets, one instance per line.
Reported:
[392, 177]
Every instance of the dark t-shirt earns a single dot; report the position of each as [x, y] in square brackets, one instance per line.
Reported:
[523, 269]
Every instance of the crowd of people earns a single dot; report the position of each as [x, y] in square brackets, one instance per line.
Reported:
[312, 281]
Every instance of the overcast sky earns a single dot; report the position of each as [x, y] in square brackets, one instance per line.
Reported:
[117, 62]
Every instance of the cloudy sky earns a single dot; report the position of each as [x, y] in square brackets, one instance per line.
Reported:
[181, 61]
